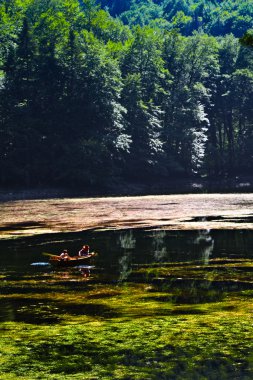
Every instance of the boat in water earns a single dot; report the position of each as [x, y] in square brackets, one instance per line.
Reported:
[72, 261]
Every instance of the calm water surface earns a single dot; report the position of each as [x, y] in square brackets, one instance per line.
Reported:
[168, 295]
[133, 246]
[188, 291]
[119, 253]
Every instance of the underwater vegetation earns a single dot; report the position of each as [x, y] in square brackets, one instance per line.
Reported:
[181, 320]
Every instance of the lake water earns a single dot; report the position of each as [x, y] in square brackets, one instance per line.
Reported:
[119, 253]
[149, 283]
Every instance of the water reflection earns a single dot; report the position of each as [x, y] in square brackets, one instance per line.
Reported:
[126, 239]
[184, 295]
[159, 245]
[191, 267]
[127, 243]
[125, 267]
[85, 272]
[206, 244]
[119, 250]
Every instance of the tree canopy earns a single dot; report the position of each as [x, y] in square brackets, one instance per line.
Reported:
[127, 90]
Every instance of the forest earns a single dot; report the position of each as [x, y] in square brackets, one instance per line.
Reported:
[124, 91]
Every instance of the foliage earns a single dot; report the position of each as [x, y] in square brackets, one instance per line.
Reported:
[164, 89]
[215, 17]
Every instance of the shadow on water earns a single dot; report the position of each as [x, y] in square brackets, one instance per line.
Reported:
[44, 311]
[192, 296]
[220, 218]
[22, 226]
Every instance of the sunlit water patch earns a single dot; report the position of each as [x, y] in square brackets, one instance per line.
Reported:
[177, 212]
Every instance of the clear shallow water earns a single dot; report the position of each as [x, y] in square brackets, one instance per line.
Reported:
[119, 253]
[176, 299]
[119, 250]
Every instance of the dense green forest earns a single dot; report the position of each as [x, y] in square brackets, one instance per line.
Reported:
[133, 90]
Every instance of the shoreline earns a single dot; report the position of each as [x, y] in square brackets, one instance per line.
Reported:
[242, 185]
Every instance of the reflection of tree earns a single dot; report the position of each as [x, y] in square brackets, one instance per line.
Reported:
[206, 243]
[127, 241]
[160, 251]
[125, 266]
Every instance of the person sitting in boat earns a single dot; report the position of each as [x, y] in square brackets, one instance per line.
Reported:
[84, 251]
[64, 255]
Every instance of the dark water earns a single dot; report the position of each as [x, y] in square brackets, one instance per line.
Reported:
[119, 252]
[120, 249]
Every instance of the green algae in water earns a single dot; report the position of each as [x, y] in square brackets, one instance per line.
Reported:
[169, 319]
[178, 344]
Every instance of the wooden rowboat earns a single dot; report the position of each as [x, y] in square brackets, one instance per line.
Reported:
[72, 261]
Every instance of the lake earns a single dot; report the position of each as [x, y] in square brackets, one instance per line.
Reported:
[168, 295]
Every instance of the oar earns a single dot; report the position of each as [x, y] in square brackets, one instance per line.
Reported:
[49, 254]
